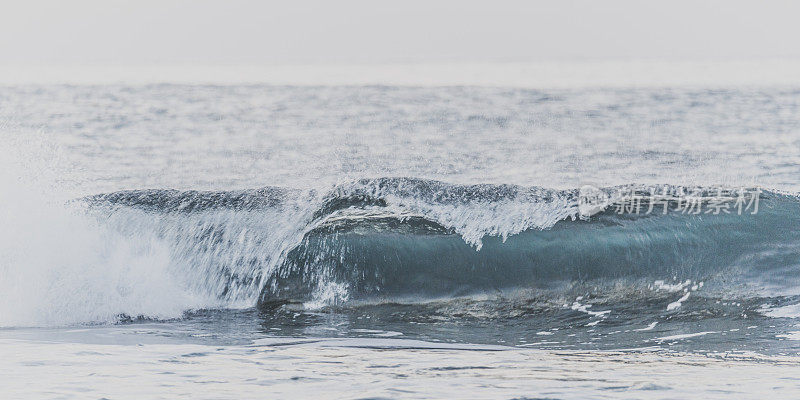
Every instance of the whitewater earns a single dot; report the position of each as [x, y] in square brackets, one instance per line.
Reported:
[165, 234]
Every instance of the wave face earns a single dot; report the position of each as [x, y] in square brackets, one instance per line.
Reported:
[414, 240]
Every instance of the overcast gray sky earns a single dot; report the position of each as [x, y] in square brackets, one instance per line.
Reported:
[355, 31]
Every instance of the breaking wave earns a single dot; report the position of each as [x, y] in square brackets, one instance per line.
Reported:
[159, 253]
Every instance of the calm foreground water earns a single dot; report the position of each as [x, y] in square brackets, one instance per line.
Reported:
[398, 242]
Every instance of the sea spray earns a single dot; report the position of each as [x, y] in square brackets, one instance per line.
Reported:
[59, 267]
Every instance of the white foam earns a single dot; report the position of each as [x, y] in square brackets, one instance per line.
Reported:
[648, 328]
[684, 336]
[790, 311]
[59, 268]
[584, 308]
[677, 304]
[661, 285]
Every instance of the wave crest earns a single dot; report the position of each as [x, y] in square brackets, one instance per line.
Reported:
[404, 238]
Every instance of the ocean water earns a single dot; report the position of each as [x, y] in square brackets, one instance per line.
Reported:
[350, 241]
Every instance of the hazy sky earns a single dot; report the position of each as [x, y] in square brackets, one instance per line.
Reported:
[353, 31]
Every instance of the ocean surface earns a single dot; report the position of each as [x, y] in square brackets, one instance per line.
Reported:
[351, 241]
